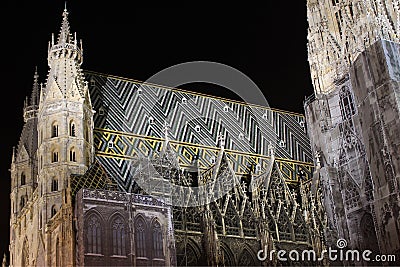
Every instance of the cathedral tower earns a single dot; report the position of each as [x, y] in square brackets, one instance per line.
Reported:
[353, 118]
[24, 173]
[339, 30]
[61, 121]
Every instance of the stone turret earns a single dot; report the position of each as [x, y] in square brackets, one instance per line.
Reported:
[56, 142]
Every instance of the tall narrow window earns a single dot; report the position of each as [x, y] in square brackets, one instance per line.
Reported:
[72, 129]
[54, 157]
[72, 155]
[93, 235]
[54, 130]
[54, 185]
[118, 235]
[140, 231]
[53, 210]
[23, 178]
[347, 106]
[157, 241]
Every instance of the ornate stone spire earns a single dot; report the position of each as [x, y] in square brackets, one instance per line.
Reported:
[64, 59]
[31, 107]
[35, 89]
[64, 37]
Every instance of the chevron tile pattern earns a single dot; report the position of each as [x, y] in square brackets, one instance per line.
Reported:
[131, 116]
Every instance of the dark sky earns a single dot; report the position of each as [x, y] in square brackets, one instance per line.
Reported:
[268, 44]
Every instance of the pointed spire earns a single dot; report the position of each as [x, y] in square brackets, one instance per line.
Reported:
[35, 89]
[13, 155]
[4, 263]
[65, 35]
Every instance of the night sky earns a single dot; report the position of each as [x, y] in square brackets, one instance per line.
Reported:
[268, 44]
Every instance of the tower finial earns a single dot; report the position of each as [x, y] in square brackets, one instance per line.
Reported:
[35, 89]
[65, 5]
[64, 36]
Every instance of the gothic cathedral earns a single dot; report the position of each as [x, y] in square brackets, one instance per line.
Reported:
[108, 169]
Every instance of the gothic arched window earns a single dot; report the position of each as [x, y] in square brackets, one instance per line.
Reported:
[72, 131]
[140, 231]
[72, 155]
[54, 130]
[118, 236]
[54, 185]
[53, 210]
[54, 156]
[23, 179]
[93, 235]
[347, 106]
[157, 240]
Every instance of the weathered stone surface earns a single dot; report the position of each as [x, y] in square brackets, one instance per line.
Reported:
[355, 128]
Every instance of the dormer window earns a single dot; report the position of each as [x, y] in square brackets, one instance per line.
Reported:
[54, 130]
[23, 179]
[72, 131]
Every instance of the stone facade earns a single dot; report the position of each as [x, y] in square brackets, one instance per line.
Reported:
[81, 174]
[120, 229]
[353, 120]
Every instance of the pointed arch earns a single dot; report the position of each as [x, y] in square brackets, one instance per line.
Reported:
[54, 184]
[54, 155]
[157, 239]
[118, 228]
[140, 236]
[72, 154]
[351, 193]
[228, 258]
[93, 233]
[72, 128]
[54, 129]
[191, 255]
[23, 178]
